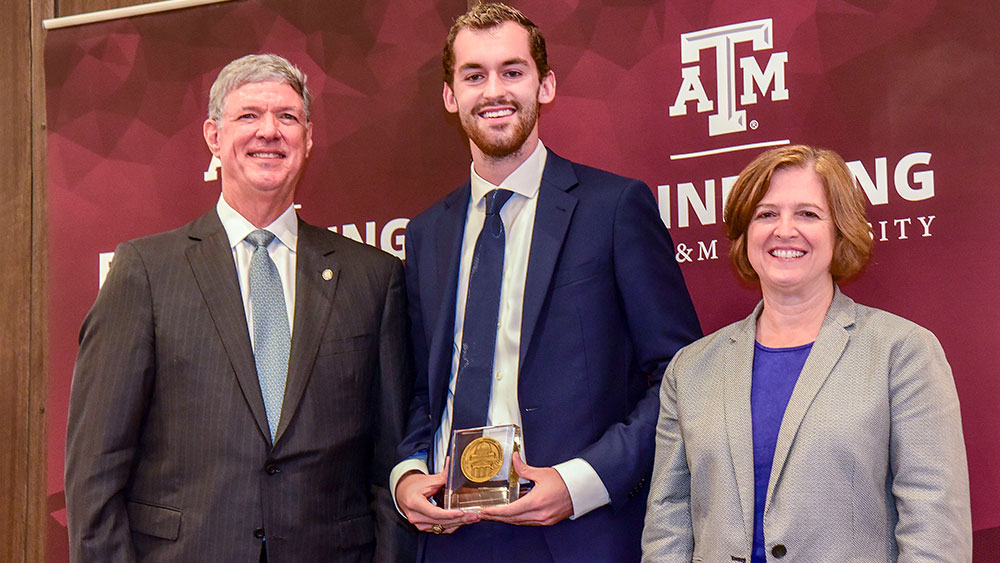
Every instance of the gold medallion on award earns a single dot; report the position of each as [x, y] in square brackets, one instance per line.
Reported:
[481, 472]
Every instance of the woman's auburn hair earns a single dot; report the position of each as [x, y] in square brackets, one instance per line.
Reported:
[854, 241]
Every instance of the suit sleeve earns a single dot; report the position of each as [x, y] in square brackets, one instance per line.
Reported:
[111, 386]
[395, 538]
[668, 534]
[927, 458]
[660, 320]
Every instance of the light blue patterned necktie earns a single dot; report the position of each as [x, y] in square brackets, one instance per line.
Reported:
[271, 337]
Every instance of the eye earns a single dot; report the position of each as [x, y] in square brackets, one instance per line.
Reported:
[473, 77]
[246, 116]
[513, 74]
[289, 117]
[809, 214]
[765, 214]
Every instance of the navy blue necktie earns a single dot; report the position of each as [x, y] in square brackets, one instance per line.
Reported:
[479, 331]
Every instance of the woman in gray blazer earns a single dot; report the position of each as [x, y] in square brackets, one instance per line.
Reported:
[816, 429]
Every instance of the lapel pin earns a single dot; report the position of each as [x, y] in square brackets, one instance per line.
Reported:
[328, 274]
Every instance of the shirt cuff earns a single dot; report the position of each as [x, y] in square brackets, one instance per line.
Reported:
[586, 490]
[416, 462]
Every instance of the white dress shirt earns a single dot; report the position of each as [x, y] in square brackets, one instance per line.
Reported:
[586, 489]
[281, 249]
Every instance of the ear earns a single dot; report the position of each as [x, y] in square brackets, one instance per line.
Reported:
[309, 138]
[211, 131]
[448, 95]
[547, 89]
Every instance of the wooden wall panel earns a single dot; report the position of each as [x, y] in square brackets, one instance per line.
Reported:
[73, 7]
[36, 510]
[15, 273]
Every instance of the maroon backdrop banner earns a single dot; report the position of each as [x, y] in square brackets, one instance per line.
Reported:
[679, 93]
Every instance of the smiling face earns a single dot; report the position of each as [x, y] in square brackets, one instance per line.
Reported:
[791, 236]
[497, 91]
[263, 140]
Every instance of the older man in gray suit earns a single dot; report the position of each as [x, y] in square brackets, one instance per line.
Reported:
[241, 381]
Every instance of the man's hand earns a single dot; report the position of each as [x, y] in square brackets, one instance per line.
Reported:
[412, 493]
[548, 501]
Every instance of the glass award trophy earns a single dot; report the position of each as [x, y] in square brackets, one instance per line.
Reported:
[481, 472]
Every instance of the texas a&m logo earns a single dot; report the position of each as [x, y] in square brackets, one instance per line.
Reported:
[727, 118]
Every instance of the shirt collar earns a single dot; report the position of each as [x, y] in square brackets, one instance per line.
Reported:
[285, 227]
[524, 180]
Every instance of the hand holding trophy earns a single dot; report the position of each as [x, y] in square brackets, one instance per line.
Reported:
[482, 470]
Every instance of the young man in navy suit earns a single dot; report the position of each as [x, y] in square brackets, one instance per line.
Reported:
[592, 308]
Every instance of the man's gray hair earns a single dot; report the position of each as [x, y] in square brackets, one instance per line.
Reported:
[251, 69]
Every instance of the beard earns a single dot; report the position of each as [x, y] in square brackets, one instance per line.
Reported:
[501, 143]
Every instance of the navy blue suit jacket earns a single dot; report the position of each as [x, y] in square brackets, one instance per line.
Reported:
[605, 309]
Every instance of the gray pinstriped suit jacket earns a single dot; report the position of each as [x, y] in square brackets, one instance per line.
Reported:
[870, 461]
[168, 455]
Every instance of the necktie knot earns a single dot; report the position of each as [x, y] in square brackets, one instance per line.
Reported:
[260, 238]
[495, 199]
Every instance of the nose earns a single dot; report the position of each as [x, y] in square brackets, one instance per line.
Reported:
[268, 126]
[494, 87]
[785, 227]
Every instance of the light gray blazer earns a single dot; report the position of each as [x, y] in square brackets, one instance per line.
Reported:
[869, 464]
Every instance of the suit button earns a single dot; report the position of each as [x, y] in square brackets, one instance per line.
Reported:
[779, 551]
[271, 469]
[259, 533]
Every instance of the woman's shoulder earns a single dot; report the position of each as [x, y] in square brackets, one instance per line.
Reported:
[872, 329]
[875, 321]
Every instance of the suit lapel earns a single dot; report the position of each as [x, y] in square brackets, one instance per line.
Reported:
[449, 231]
[739, 425]
[316, 275]
[826, 352]
[553, 213]
[211, 260]
[448, 237]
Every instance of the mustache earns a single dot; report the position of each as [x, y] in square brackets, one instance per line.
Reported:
[491, 103]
